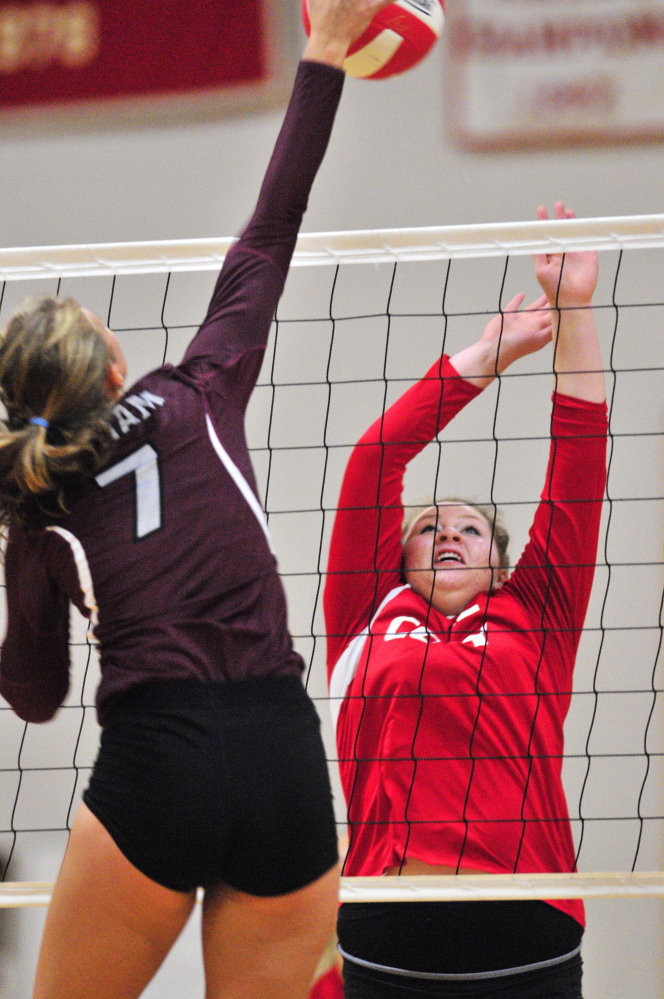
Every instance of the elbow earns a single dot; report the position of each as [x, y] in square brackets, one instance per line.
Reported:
[36, 713]
[31, 703]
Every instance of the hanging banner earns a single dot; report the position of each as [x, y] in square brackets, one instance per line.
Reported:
[101, 54]
[553, 72]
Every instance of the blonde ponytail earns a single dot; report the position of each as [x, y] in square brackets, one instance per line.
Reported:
[54, 364]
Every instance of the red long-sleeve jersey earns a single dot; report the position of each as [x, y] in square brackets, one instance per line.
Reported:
[450, 730]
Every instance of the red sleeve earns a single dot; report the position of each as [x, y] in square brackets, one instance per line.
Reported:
[328, 986]
[365, 550]
[554, 575]
[34, 665]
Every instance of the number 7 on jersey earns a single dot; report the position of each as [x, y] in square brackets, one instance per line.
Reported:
[144, 463]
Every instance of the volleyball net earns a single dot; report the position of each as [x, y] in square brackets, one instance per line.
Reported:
[363, 316]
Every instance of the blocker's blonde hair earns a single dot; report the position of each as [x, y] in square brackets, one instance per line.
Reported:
[491, 514]
[53, 364]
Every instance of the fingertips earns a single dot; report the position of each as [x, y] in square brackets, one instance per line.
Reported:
[514, 304]
[539, 304]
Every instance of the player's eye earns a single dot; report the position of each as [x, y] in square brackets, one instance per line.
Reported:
[428, 527]
[470, 529]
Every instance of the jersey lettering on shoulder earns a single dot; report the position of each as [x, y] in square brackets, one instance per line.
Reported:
[164, 478]
[401, 626]
[144, 403]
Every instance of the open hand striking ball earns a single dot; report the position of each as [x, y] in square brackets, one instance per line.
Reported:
[396, 40]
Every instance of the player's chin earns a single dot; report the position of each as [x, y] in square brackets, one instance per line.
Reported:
[469, 579]
[453, 570]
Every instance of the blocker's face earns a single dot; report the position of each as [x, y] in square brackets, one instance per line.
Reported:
[449, 557]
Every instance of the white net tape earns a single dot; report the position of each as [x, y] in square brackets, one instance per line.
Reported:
[365, 247]
[421, 888]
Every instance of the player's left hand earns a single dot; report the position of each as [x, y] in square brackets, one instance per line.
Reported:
[568, 279]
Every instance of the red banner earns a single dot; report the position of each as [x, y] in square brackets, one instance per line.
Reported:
[82, 50]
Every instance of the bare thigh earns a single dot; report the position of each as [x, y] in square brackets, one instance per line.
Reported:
[108, 927]
[267, 947]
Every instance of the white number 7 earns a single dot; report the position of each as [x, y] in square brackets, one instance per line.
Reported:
[144, 463]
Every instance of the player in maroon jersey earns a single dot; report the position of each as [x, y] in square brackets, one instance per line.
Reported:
[141, 509]
[452, 678]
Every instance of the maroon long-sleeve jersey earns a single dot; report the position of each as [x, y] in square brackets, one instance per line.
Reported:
[167, 550]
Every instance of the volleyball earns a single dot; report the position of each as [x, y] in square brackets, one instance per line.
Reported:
[396, 40]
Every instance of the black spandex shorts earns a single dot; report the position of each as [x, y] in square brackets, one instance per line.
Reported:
[206, 783]
[562, 981]
[456, 937]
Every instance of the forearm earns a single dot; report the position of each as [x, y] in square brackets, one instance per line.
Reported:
[252, 278]
[297, 156]
[477, 364]
[365, 550]
[577, 360]
[555, 571]
[34, 662]
[569, 280]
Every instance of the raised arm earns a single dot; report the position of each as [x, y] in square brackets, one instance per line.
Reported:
[556, 570]
[365, 549]
[364, 563]
[569, 280]
[254, 272]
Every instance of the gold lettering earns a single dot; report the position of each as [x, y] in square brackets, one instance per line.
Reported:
[10, 41]
[48, 34]
[82, 39]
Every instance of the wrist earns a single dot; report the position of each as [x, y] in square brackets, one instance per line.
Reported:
[330, 51]
[562, 304]
[477, 363]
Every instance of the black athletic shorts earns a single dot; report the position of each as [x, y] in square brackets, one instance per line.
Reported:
[562, 981]
[456, 937]
[206, 783]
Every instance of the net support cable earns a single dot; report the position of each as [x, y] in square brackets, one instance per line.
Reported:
[430, 888]
[331, 248]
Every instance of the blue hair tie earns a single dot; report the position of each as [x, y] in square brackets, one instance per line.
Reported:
[39, 421]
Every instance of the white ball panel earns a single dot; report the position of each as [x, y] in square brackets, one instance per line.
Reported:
[430, 12]
[372, 57]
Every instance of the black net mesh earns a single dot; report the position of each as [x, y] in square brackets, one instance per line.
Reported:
[346, 342]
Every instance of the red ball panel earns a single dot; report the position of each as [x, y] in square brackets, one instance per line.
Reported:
[417, 42]
[418, 38]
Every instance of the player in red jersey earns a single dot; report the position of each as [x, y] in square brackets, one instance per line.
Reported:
[141, 509]
[452, 678]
